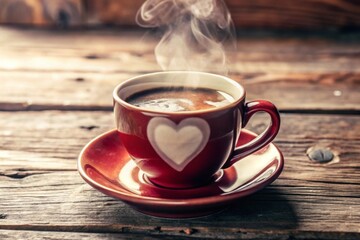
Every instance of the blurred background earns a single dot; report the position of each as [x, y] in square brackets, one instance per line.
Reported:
[304, 15]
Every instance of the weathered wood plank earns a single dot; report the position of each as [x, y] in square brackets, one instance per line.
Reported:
[52, 140]
[57, 235]
[37, 194]
[290, 92]
[38, 67]
[132, 51]
[71, 205]
[171, 233]
[46, 141]
[40, 189]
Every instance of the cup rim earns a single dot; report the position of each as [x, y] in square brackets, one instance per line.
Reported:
[119, 100]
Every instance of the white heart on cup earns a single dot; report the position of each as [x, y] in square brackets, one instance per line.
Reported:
[178, 144]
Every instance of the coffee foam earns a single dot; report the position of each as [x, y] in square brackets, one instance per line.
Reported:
[165, 104]
[229, 88]
[179, 99]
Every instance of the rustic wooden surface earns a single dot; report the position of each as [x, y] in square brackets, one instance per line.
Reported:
[256, 14]
[55, 96]
[92, 64]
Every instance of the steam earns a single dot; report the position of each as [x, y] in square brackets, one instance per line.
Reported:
[196, 33]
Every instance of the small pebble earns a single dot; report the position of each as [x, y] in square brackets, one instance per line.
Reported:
[321, 155]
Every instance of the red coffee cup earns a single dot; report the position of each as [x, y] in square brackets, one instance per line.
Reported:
[185, 149]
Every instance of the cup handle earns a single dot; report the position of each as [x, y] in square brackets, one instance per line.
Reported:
[264, 138]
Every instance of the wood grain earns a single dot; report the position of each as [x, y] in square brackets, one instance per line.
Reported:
[93, 91]
[133, 51]
[52, 140]
[41, 189]
[37, 75]
[288, 206]
[73, 74]
[11, 234]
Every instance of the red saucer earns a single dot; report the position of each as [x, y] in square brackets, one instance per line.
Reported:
[106, 166]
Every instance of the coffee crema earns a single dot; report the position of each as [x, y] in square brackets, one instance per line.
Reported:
[179, 99]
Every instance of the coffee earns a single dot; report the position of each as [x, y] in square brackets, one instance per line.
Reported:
[179, 99]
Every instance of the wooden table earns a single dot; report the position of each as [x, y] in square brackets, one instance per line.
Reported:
[55, 96]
